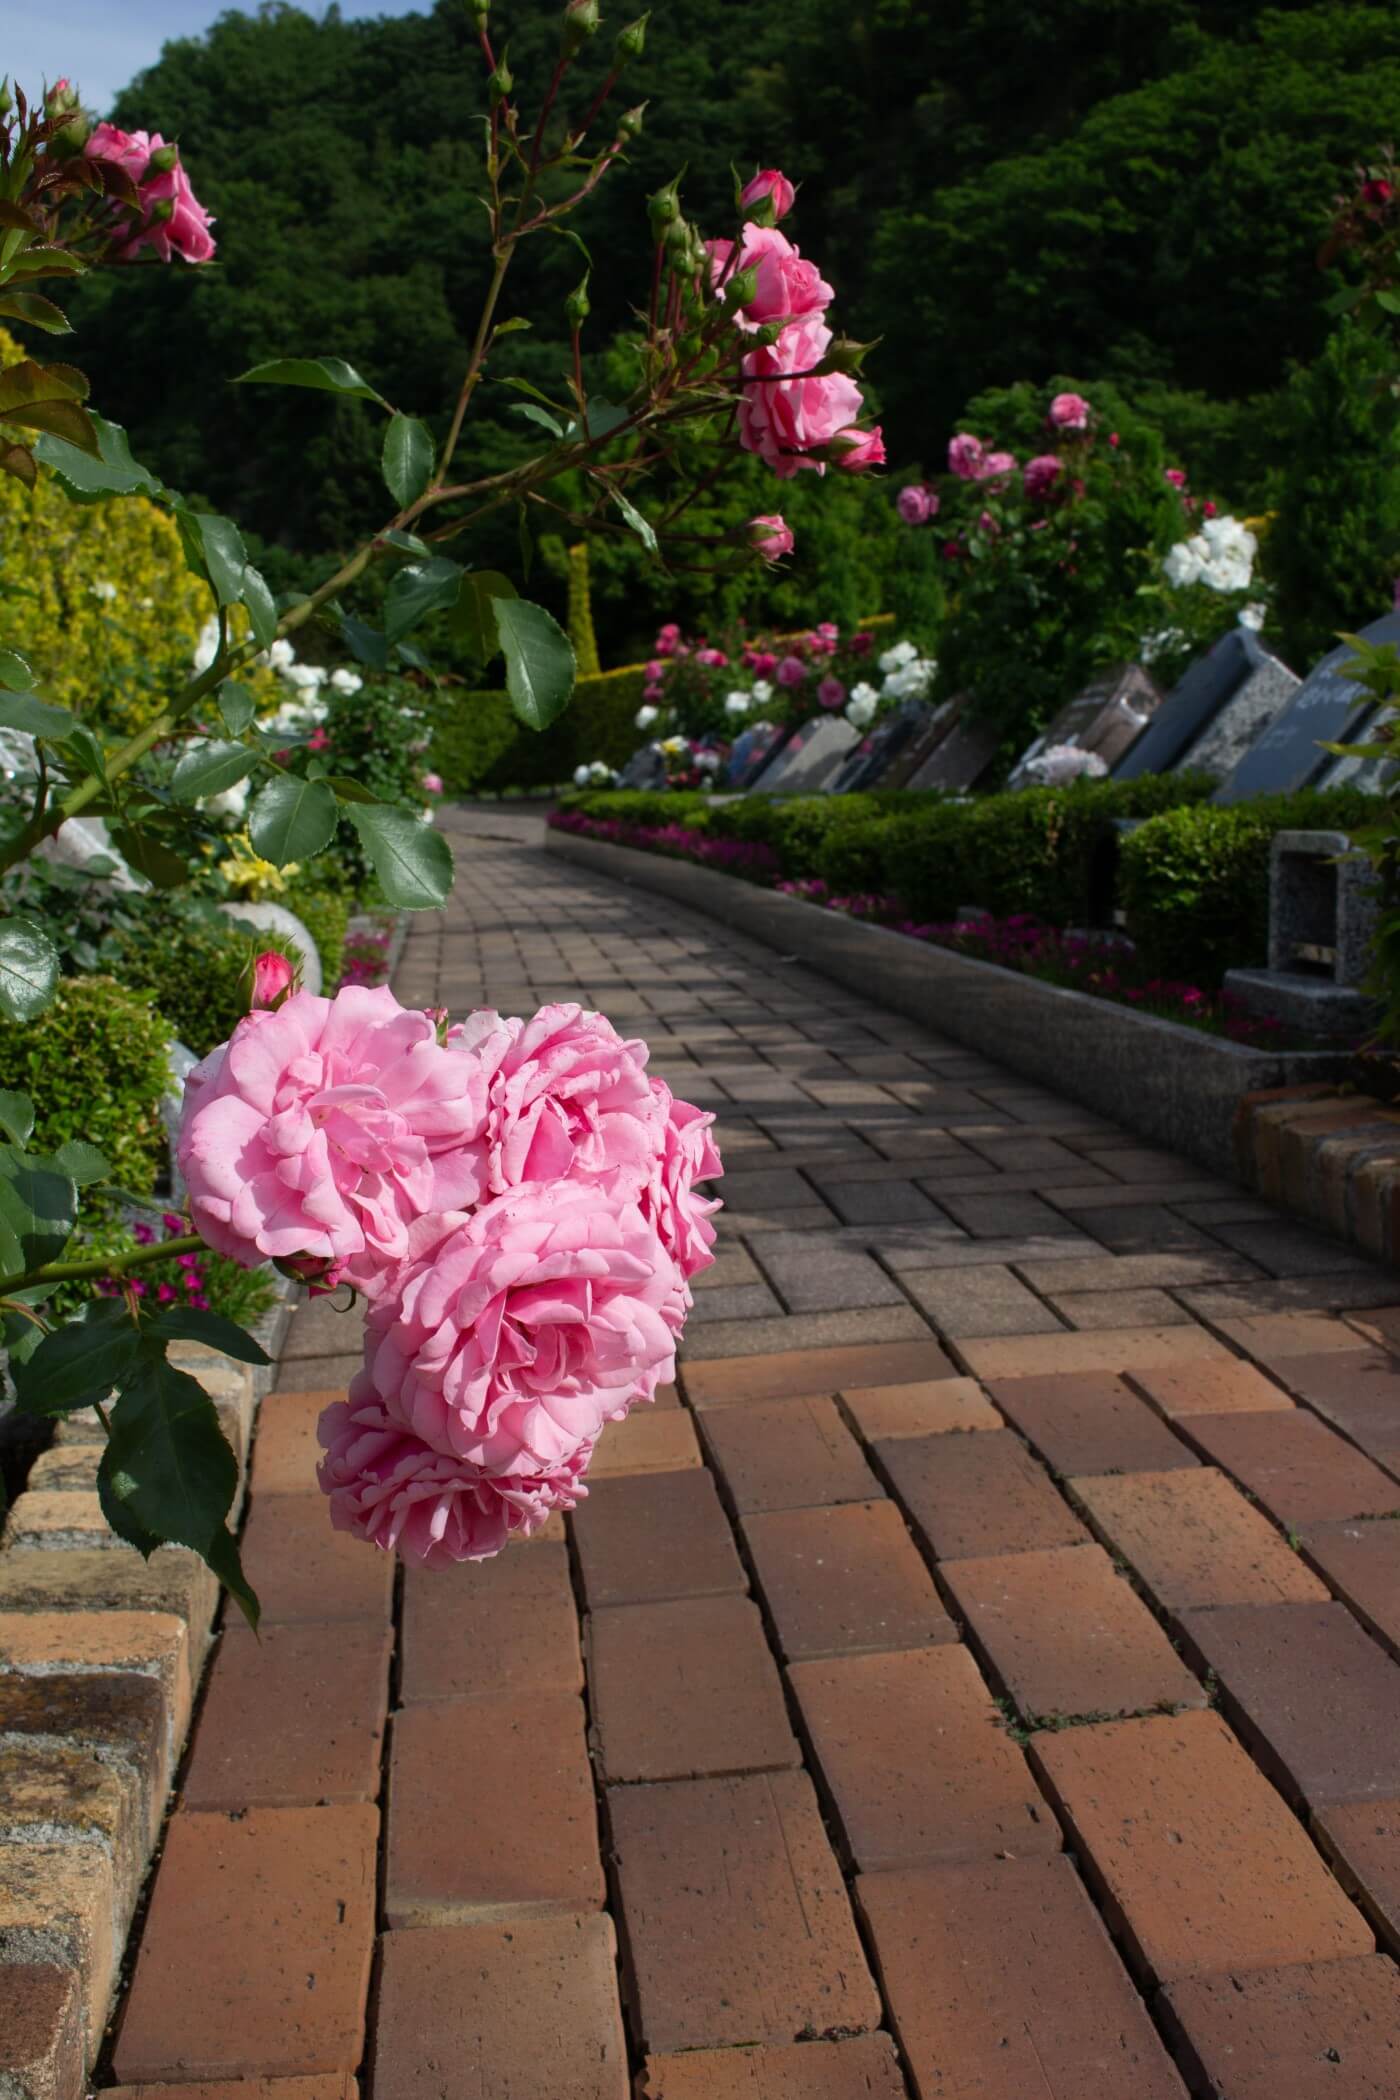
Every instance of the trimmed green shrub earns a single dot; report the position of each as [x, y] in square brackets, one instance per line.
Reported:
[194, 965]
[1194, 883]
[479, 745]
[94, 1065]
[325, 913]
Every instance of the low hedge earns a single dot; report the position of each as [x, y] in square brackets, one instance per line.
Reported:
[479, 744]
[94, 1065]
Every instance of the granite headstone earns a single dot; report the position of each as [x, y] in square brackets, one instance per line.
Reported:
[1105, 718]
[812, 758]
[963, 755]
[875, 762]
[1289, 755]
[645, 769]
[1193, 704]
[1244, 717]
[754, 749]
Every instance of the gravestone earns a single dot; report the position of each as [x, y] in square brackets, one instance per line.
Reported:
[1288, 755]
[811, 758]
[645, 769]
[1106, 718]
[1242, 720]
[752, 750]
[1371, 775]
[964, 753]
[1323, 913]
[875, 762]
[1192, 705]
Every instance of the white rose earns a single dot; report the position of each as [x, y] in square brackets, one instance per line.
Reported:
[1181, 566]
[346, 681]
[1253, 616]
[707, 761]
[762, 691]
[582, 776]
[896, 658]
[1063, 763]
[599, 773]
[645, 716]
[736, 704]
[305, 677]
[860, 708]
[279, 654]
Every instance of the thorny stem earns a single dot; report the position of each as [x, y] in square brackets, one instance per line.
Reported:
[105, 1264]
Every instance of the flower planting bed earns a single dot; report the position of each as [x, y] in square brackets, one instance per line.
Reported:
[1177, 1085]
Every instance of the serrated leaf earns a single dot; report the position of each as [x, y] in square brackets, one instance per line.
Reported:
[603, 418]
[38, 1207]
[236, 705]
[366, 644]
[409, 453]
[19, 463]
[473, 623]
[35, 310]
[347, 790]
[413, 862]
[421, 589]
[540, 666]
[221, 1555]
[327, 375]
[35, 717]
[187, 1323]
[210, 766]
[292, 820]
[16, 672]
[82, 1163]
[640, 525]
[148, 854]
[262, 609]
[110, 1492]
[168, 1461]
[29, 384]
[527, 386]
[113, 473]
[538, 415]
[17, 1118]
[28, 969]
[406, 542]
[514, 326]
[214, 548]
[81, 1362]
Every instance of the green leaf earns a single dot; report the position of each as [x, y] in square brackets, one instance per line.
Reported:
[292, 819]
[83, 749]
[236, 705]
[37, 311]
[118, 1516]
[603, 417]
[526, 386]
[538, 415]
[510, 327]
[209, 767]
[81, 1362]
[168, 1462]
[149, 855]
[417, 591]
[38, 1209]
[413, 862]
[329, 375]
[409, 453]
[186, 1323]
[347, 790]
[82, 1163]
[1388, 302]
[113, 473]
[222, 1556]
[28, 969]
[262, 611]
[640, 525]
[17, 1118]
[16, 673]
[525, 540]
[406, 542]
[540, 667]
[36, 717]
[473, 622]
[366, 644]
[214, 548]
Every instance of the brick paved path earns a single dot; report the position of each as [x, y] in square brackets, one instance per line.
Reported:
[977, 1682]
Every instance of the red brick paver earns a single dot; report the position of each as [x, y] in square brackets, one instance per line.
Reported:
[1293, 2034]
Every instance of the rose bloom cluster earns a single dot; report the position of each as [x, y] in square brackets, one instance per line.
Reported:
[517, 1202]
[793, 413]
[168, 219]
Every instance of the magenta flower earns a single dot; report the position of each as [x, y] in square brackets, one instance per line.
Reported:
[1069, 412]
[769, 182]
[791, 671]
[1041, 474]
[831, 692]
[965, 456]
[916, 504]
[273, 978]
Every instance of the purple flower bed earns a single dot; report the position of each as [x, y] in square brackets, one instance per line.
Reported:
[731, 856]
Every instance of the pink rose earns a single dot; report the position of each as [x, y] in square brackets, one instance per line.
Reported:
[326, 1129]
[916, 504]
[712, 659]
[655, 671]
[769, 182]
[784, 418]
[432, 783]
[1376, 191]
[1114, 439]
[130, 150]
[996, 466]
[787, 288]
[273, 978]
[965, 456]
[667, 639]
[513, 1339]
[172, 219]
[861, 644]
[855, 450]
[653, 693]
[688, 1154]
[791, 671]
[386, 1485]
[831, 692]
[1176, 476]
[1069, 412]
[763, 663]
[1041, 475]
[771, 536]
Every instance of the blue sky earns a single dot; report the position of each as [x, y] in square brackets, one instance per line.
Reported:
[101, 43]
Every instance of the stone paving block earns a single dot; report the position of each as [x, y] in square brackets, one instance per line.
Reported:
[1148, 1228]
[910, 1247]
[852, 1328]
[286, 1452]
[56, 1910]
[1291, 2034]
[1343, 1291]
[449, 1860]
[969, 1495]
[1275, 1339]
[965, 1303]
[323, 1326]
[1222, 1387]
[655, 1536]
[1194, 1541]
[1091, 1349]
[291, 1718]
[1296, 1466]
[730, 1266]
[1089, 1422]
[815, 1278]
[520, 2011]
[881, 1203]
[1285, 1248]
[1361, 1562]
[787, 1454]
[1087, 1310]
[935, 1408]
[1067, 1634]
[740, 1301]
[334, 2085]
[1142, 1164]
[650, 1440]
[1004, 1985]
[1358, 1391]
[685, 1689]
[145, 1643]
[997, 1215]
[1102, 1193]
[43, 2048]
[1200, 1866]
[766, 1187]
[1362, 1841]
[1134, 1272]
[502, 1625]
[840, 1581]
[917, 1760]
[864, 2069]
[256, 1951]
[1311, 1693]
[737, 1928]
[304, 1571]
[333, 1372]
[797, 1372]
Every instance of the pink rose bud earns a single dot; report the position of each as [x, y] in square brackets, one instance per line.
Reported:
[1114, 439]
[1041, 475]
[965, 455]
[791, 671]
[771, 536]
[432, 783]
[272, 979]
[1069, 412]
[667, 639]
[1176, 476]
[770, 182]
[831, 692]
[858, 449]
[656, 669]
[1377, 191]
[914, 504]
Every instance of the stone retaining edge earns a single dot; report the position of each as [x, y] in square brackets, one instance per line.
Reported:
[1176, 1086]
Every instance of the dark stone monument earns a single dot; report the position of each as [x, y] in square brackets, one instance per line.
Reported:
[1325, 709]
[810, 760]
[876, 760]
[1105, 718]
[1322, 927]
[645, 769]
[751, 751]
[964, 752]
[1192, 705]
